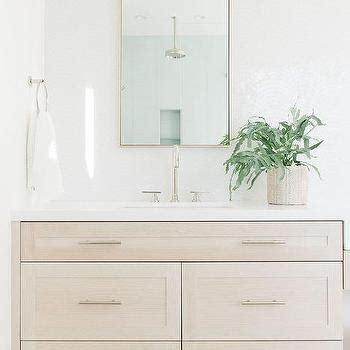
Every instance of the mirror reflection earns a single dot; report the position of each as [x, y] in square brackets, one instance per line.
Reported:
[175, 72]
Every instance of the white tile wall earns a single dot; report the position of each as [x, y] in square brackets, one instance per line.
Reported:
[284, 51]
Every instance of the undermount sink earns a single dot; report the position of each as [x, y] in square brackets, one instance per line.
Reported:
[179, 205]
[113, 205]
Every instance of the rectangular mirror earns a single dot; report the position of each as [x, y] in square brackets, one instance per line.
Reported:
[175, 72]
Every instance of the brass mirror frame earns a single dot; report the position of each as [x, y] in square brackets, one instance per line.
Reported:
[120, 19]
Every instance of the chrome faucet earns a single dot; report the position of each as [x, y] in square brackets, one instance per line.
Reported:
[175, 174]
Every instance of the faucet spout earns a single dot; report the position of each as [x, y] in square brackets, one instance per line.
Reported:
[175, 174]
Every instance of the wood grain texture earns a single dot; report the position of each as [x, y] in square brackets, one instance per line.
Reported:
[216, 307]
[15, 287]
[147, 300]
[182, 241]
[298, 345]
[149, 311]
[99, 346]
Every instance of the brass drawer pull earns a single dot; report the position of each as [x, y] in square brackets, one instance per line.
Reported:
[100, 302]
[87, 242]
[262, 302]
[263, 242]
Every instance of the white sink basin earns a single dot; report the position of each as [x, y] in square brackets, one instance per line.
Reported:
[179, 205]
[112, 205]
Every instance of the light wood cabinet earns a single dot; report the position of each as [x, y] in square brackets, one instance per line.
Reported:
[262, 301]
[101, 346]
[101, 302]
[177, 285]
[182, 241]
[291, 345]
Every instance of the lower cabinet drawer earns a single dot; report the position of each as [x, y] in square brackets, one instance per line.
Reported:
[101, 346]
[299, 345]
[262, 301]
[136, 302]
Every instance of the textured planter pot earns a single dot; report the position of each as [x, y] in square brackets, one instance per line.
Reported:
[291, 190]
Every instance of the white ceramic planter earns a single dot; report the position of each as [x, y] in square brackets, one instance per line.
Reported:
[291, 190]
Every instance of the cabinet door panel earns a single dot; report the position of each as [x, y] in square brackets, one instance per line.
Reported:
[266, 301]
[101, 301]
[299, 345]
[181, 241]
[99, 346]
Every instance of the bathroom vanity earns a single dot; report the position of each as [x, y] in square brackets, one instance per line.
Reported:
[170, 284]
[179, 275]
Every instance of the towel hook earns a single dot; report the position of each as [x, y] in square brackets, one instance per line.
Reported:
[39, 83]
[32, 81]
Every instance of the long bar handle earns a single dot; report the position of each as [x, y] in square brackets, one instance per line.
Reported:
[262, 302]
[264, 242]
[107, 242]
[100, 302]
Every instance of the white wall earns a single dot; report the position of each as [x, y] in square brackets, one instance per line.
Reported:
[81, 52]
[21, 37]
[283, 51]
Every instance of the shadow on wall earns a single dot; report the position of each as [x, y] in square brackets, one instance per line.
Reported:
[346, 320]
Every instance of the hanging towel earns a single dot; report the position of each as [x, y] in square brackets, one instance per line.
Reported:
[43, 170]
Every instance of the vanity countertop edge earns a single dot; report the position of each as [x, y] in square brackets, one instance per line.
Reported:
[237, 213]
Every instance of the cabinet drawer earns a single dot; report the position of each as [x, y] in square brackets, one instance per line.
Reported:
[262, 301]
[101, 301]
[186, 241]
[100, 346]
[299, 345]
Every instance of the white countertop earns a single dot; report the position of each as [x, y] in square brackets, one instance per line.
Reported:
[143, 211]
[136, 211]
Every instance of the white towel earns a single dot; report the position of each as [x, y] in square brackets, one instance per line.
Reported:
[44, 177]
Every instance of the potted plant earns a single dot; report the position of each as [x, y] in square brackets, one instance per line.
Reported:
[283, 152]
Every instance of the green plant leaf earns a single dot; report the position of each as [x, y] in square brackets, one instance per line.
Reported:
[260, 147]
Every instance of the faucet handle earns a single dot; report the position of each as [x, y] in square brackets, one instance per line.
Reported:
[196, 196]
[155, 195]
